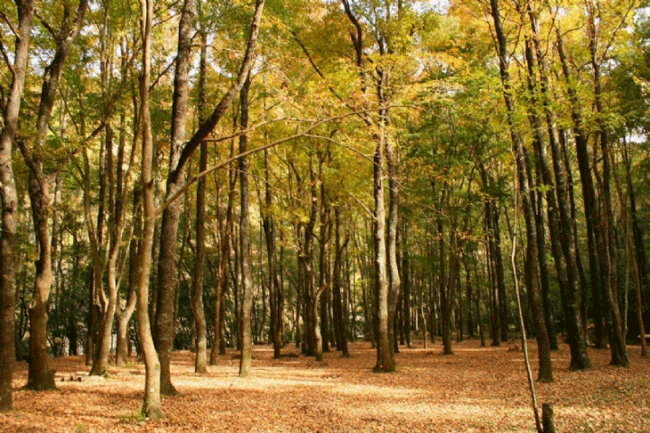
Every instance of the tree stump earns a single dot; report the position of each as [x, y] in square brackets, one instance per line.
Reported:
[548, 421]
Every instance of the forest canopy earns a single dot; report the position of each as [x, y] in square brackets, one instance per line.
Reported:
[203, 174]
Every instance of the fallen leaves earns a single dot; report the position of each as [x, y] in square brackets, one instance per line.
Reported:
[476, 389]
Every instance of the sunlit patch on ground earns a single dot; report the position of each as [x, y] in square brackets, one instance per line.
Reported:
[476, 389]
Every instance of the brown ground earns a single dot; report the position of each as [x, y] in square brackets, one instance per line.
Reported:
[477, 389]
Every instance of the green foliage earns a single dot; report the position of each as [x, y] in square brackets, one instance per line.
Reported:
[447, 120]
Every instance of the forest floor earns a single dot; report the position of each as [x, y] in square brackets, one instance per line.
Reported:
[475, 390]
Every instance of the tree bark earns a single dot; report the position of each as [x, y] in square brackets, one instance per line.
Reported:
[9, 197]
[638, 247]
[339, 307]
[268, 223]
[527, 201]
[385, 359]
[395, 282]
[152, 403]
[123, 314]
[39, 376]
[167, 278]
[225, 228]
[245, 241]
[181, 152]
[198, 313]
[406, 287]
[617, 345]
[577, 342]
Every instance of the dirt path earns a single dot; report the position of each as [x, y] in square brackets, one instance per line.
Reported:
[477, 389]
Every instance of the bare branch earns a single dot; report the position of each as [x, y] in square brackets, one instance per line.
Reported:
[8, 22]
[47, 25]
[5, 56]
[228, 161]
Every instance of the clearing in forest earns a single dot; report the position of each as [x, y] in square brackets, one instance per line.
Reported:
[476, 389]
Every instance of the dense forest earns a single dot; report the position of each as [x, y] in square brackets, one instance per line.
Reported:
[202, 174]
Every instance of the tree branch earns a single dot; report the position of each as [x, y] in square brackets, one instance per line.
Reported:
[329, 85]
[208, 126]
[230, 160]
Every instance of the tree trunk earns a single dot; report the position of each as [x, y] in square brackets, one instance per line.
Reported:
[617, 345]
[198, 314]
[568, 266]
[9, 197]
[197, 283]
[447, 282]
[181, 151]
[641, 277]
[324, 280]
[226, 228]
[406, 295]
[632, 258]
[577, 342]
[499, 320]
[123, 314]
[527, 201]
[152, 405]
[395, 282]
[544, 178]
[339, 307]
[167, 278]
[40, 377]
[245, 241]
[268, 223]
[116, 228]
[385, 359]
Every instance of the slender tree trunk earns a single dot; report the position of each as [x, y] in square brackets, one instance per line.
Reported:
[323, 265]
[339, 307]
[395, 281]
[116, 229]
[641, 277]
[181, 152]
[617, 345]
[385, 358]
[167, 278]
[245, 242]
[39, 376]
[268, 222]
[577, 340]
[152, 404]
[197, 283]
[198, 314]
[123, 314]
[543, 182]
[446, 288]
[225, 228]
[406, 287]
[527, 200]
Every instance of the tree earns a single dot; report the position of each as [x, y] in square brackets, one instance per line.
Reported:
[245, 241]
[607, 235]
[10, 115]
[40, 376]
[152, 405]
[200, 364]
[181, 150]
[527, 202]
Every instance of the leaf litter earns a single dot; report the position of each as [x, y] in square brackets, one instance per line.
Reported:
[475, 390]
